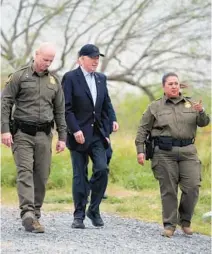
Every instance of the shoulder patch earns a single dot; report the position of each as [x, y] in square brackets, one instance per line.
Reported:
[9, 78]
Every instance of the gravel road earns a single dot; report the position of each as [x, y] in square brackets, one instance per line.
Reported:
[119, 235]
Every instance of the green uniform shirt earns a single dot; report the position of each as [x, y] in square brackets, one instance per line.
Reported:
[170, 117]
[38, 97]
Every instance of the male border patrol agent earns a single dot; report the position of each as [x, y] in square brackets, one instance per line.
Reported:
[172, 122]
[39, 100]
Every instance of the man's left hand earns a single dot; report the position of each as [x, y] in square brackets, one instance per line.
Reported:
[60, 146]
[115, 126]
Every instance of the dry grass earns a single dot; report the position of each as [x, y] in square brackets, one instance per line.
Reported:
[143, 205]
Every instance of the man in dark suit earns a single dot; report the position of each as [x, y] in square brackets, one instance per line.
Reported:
[86, 110]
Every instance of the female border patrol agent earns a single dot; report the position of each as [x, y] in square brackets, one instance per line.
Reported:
[172, 122]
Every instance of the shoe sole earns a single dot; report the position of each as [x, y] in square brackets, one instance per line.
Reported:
[168, 234]
[38, 231]
[80, 227]
[187, 233]
[93, 223]
[165, 235]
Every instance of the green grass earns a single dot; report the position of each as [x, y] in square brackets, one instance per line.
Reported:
[143, 205]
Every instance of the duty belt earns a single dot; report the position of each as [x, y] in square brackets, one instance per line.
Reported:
[173, 141]
[32, 128]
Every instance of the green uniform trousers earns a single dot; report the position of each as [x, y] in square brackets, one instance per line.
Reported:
[180, 166]
[32, 155]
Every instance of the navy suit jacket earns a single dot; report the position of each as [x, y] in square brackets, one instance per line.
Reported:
[80, 112]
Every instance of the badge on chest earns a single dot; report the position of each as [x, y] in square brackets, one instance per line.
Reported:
[187, 104]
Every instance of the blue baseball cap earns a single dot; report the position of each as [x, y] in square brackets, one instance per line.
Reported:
[90, 50]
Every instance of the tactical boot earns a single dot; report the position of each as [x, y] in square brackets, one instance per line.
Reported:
[187, 230]
[168, 232]
[78, 223]
[27, 221]
[95, 218]
[37, 227]
[31, 224]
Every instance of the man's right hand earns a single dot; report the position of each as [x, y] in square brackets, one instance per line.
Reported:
[79, 137]
[141, 158]
[6, 139]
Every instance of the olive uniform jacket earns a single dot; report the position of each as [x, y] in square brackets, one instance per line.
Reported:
[175, 118]
[38, 98]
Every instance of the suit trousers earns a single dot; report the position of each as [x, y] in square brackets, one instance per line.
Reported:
[178, 167]
[109, 153]
[81, 186]
[32, 155]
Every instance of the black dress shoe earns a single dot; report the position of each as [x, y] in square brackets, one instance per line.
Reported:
[95, 218]
[78, 223]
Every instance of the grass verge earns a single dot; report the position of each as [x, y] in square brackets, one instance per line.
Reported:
[142, 205]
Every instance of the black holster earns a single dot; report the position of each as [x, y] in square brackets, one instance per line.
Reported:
[13, 127]
[149, 147]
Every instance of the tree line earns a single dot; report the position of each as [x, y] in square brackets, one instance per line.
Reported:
[141, 39]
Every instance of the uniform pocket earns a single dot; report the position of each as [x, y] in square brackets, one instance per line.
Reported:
[189, 116]
[200, 170]
[50, 91]
[28, 84]
[28, 91]
[155, 168]
[14, 147]
[164, 117]
[52, 87]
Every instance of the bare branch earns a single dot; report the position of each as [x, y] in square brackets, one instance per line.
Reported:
[141, 39]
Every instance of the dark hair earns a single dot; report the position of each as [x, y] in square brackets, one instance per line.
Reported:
[169, 74]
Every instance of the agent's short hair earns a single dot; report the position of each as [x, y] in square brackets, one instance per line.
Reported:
[169, 74]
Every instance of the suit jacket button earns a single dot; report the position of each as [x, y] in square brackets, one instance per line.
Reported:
[92, 125]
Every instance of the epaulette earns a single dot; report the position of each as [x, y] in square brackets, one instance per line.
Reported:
[11, 74]
[158, 99]
[54, 75]
[188, 97]
[9, 78]
[22, 68]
